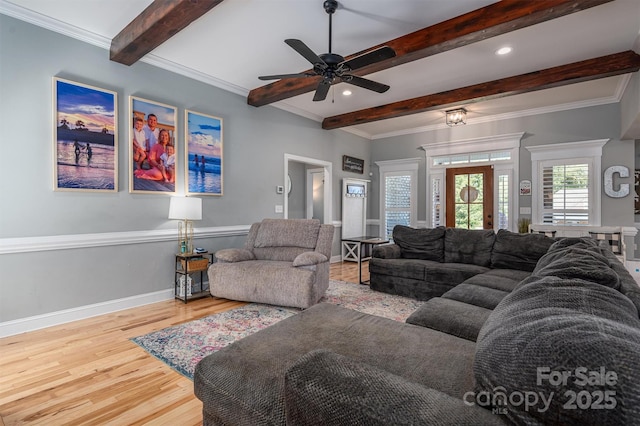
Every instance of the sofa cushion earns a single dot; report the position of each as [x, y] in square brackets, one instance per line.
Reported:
[550, 327]
[573, 262]
[500, 279]
[518, 251]
[451, 317]
[578, 258]
[288, 233]
[423, 243]
[484, 297]
[468, 246]
[324, 388]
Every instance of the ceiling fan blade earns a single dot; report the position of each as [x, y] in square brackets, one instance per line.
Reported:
[322, 90]
[368, 58]
[281, 76]
[365, 83]
[304, 50]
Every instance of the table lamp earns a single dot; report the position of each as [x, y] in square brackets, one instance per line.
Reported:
[185, 209]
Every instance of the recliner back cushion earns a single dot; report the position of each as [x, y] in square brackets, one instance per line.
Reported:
[424, 243]
[518, 251]
[560, 339]
[288, 233]
[468, 246]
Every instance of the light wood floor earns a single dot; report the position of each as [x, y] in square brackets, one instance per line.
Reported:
[89, 372]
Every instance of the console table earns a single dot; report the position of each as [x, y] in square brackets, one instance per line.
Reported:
[358, 249]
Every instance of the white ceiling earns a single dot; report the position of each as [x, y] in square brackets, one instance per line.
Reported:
[239, 40]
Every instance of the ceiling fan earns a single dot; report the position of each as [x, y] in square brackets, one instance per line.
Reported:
[332, 67]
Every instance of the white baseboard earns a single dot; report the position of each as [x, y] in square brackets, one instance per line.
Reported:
[23, 325]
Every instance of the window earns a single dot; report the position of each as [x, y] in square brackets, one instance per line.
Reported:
[566, 176]
[565, 194]
[398, 194]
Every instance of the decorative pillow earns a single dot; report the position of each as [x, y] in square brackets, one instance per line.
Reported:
[468, 246]
[573, 343]
[518, 251]
[309, 258]
[288, 233]
[423, 243]
[234, 255]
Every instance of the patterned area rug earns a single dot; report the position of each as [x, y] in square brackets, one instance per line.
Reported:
[183, 346]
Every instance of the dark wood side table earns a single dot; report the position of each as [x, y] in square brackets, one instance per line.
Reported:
[188, 264]
[359, 249]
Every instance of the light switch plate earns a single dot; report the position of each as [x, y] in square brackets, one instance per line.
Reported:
[525, 210]
[279, 208]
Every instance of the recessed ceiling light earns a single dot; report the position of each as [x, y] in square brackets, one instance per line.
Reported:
[504, 50]
[346, 92]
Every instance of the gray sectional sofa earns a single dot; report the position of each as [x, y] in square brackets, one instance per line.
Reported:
[562, 346]
[425, 263]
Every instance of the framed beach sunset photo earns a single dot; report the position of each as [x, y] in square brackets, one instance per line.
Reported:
[203, 154]
[152, 147]
[85, 137]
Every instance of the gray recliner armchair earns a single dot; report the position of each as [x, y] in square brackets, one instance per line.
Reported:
[284, 262]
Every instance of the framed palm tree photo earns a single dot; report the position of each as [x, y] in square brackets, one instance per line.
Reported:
[85, 137]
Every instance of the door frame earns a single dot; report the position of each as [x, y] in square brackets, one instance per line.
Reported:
[328, 173]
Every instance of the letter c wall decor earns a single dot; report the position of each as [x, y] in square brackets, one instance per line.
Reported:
[623, 190]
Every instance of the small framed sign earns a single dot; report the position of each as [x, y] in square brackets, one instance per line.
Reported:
[525, 187]
[352, 164]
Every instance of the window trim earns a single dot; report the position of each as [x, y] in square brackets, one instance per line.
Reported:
[585, 151]
[409, 166]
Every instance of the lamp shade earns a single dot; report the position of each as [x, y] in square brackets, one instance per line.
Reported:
[185, 208]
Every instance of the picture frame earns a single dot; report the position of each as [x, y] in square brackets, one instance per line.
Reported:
[152, 169]
[85, 137]
[203, 154]
[352, 164]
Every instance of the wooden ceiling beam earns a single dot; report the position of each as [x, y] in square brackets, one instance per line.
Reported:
[490, 21]
[155, 25]
[577, 72]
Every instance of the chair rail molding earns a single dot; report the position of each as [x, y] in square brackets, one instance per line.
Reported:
[76, 241]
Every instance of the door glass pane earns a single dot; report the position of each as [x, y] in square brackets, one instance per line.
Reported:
[476, 216]
[469, 207]
[462, 216]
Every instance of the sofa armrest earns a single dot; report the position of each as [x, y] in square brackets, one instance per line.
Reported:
[386, 251]
[324, 388]
[234, 255]
[309, 258]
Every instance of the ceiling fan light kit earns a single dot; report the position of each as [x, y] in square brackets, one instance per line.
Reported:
[332, 67]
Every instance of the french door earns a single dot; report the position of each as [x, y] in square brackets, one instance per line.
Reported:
[469, 195]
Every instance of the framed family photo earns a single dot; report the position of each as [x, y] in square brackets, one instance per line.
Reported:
[203, 154]
[152, 147]
[85, 137]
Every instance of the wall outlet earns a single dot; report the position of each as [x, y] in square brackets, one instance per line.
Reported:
[279, 208]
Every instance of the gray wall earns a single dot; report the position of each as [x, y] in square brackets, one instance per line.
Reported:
[255, 141]
[599, 122]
